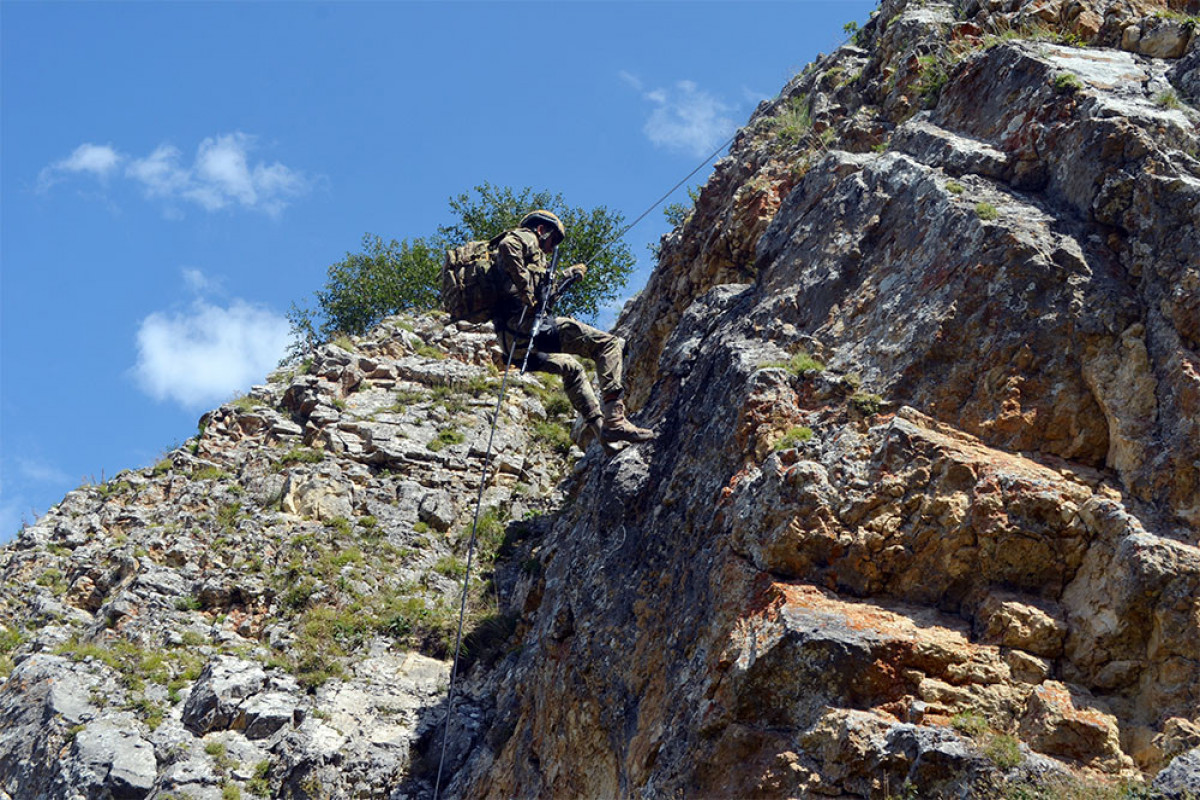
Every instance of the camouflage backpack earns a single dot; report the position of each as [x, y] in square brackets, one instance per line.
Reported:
[469, 285]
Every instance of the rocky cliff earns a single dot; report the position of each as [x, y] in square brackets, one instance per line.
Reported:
[923, 513]
[921, 520]
[269, 609]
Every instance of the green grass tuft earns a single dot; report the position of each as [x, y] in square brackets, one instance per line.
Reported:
[987, 211]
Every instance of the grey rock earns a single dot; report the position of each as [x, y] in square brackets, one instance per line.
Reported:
[216, 701]
[438, 510]
[1181, 779]
[120, 762]
[267, 712]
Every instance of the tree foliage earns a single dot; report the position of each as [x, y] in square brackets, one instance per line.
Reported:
[389, 277]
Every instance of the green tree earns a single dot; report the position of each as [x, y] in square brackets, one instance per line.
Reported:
[387, 278]
[363, 288]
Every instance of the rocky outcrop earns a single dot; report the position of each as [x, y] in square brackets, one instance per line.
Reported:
[268, 609]
[922, 516]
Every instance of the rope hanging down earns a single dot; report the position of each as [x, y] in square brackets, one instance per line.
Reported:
[487, 458]
[462, 609]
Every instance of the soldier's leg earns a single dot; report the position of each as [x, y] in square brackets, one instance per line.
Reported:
[575, 382]
[604, 348]
[607, 351]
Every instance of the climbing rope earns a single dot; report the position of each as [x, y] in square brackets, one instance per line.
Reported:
[462, 609]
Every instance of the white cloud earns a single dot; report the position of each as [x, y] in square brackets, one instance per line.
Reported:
[159, 173]
[99, 160]
[199, 283]
[688, 118]
[221, 175]
[204, 355]
[684, 117]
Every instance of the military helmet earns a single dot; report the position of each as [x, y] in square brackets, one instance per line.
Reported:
[543, 217]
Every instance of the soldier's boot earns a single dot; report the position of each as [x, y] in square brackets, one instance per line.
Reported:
[616, 427]
[584, 432]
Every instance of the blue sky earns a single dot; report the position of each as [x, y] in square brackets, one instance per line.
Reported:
[174, 175]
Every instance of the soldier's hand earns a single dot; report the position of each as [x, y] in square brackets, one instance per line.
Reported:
[575, 272]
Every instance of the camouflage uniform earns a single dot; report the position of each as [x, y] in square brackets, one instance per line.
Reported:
[522, 264]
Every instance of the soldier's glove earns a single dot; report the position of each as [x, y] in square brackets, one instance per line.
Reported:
[575, 273]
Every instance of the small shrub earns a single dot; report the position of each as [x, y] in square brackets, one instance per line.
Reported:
[793, 123]
[451, 567]
[162, 468]
[932, 79]
[554, 436]
[954, 187]
[10, 639]
[559, 406]
[299, 455]
[1168, 99]
[480, 387]
[445, 438]
[229, 515]
[341, 525]
[1067, 83]
[297, 596]
[149, 710]
[193, 639]
[210, 474]
[802, 362]
[866, 403]
[429, 351]
[189, 603]
[987, 211]
[115, 489]
[794, 437]
[53, 580]
[245, 403]
[346, 343]
[259, 784]
[1003, 750]
[231, 791]
[970, 723]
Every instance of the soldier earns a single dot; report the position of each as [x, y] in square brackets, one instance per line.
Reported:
[521, 259]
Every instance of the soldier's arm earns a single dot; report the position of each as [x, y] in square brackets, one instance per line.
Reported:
[510, 254]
